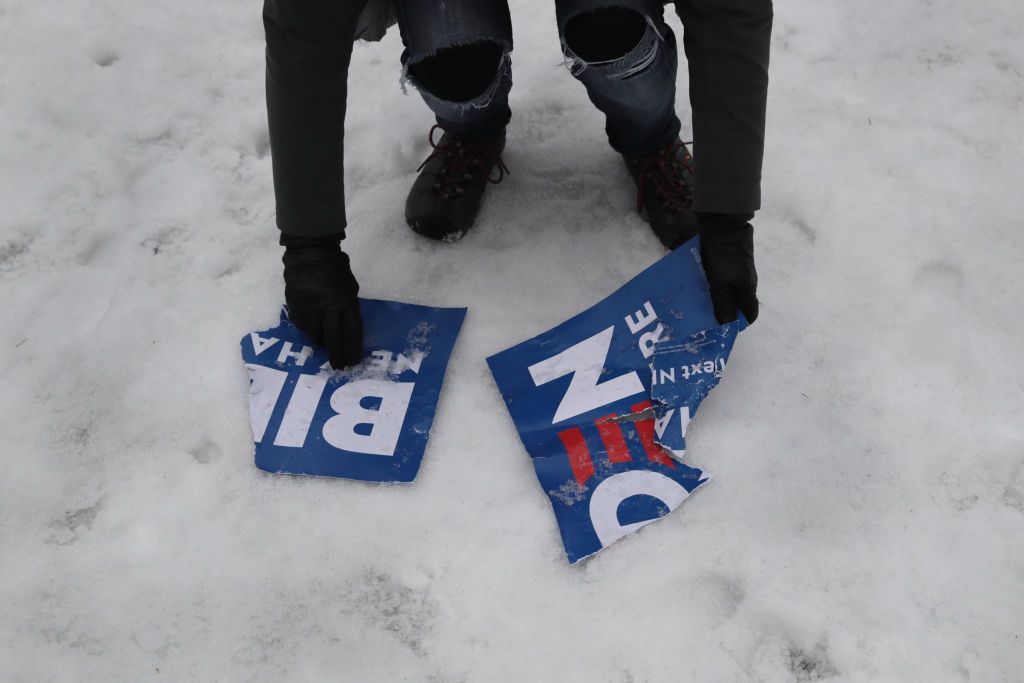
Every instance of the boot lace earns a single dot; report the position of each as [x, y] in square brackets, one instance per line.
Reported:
[463, 162]
[666, 172]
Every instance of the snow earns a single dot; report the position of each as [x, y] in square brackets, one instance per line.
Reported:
[866, 522]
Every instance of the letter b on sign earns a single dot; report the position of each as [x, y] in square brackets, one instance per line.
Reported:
[359, 428]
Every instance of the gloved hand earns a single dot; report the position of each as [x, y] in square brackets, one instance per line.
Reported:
[727, 253]
[321, 294]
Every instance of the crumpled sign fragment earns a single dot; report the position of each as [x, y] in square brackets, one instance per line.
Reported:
[370, 422]
[580, 396]
[683, 373]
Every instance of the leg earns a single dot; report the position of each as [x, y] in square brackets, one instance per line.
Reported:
[457, 57]
[727, 44]
[625, 55]
[309, 45]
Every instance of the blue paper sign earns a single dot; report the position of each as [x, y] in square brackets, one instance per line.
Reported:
[580, 397]
[370, 422]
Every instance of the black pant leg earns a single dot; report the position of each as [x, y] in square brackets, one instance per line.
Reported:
[309, 46]
[727, 43]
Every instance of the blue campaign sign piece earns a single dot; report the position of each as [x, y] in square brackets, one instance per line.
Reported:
[580, 397]
[370, 422]
[682, 375]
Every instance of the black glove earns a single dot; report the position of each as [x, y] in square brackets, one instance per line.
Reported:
[321, 294]
[727, 253]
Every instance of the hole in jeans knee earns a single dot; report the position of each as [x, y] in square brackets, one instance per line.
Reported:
[605, 34]
[460, 73]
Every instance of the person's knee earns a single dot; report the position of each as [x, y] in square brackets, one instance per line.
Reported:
[460, 73]
[605, 34]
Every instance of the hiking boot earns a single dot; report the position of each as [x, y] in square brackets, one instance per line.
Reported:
[664, 194]
[446, 197]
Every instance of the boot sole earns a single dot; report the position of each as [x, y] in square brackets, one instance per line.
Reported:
[439, 230]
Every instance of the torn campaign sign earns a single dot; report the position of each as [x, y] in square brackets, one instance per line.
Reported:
[682, 375]
[370, 422]
[580, 397]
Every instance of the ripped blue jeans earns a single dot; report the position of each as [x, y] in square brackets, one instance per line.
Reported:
[635, 89]
[433, 30]
[625, 55]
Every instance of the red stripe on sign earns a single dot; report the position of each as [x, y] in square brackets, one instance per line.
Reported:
[645, 428]
[614, 441]
[579, 454]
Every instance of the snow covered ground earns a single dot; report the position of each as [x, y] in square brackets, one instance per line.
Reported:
[866, 522]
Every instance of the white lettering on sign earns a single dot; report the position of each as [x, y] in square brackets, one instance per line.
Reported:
[299, 413]
[298, 356]
[609, 494]
[395, 363]
[369, 419]
[265, 385]
[403, 363]
[380, 360]
[585, 362]
[684, 419]
[380, 426]
[661, 423]
[649, 339]
[259, 344]
[641, 318]
[708, 367]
